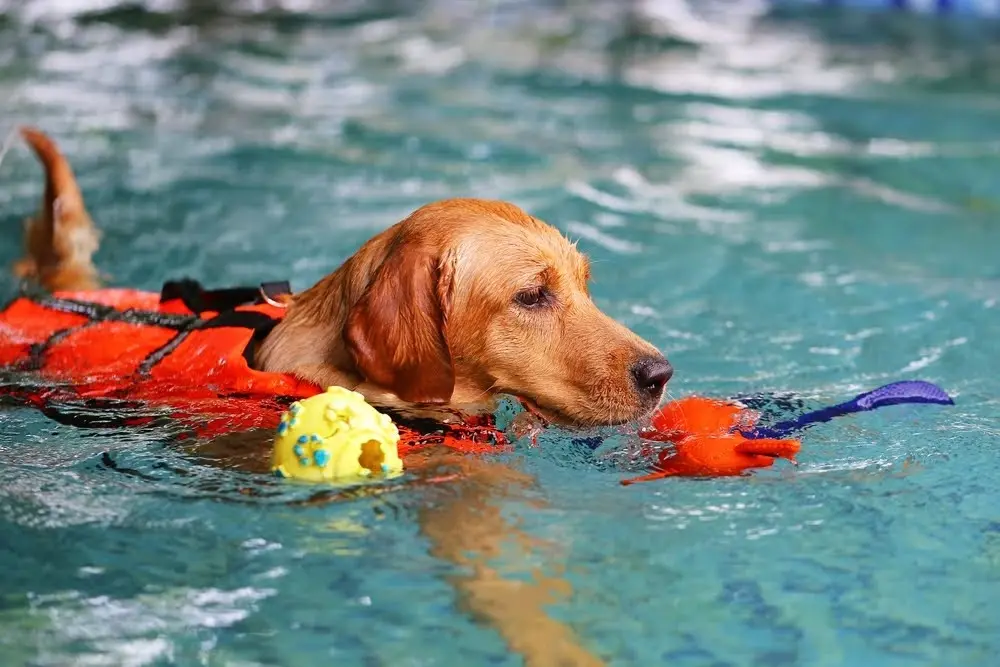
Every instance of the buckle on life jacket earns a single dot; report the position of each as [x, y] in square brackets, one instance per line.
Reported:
[198, 299]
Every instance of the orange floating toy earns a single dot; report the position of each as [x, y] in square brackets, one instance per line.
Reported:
[707, 439]
[719, 438]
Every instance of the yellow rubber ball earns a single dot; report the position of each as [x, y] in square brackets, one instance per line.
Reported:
[335, 435]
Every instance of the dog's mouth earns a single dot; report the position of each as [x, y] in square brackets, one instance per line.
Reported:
[531, 406]
[558, 417]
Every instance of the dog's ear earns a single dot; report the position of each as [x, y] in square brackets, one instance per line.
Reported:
[397, 331]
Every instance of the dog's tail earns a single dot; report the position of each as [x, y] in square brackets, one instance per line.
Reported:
[61, 240]
[60, 183]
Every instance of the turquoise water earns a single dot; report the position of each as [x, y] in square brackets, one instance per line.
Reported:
[802, 204]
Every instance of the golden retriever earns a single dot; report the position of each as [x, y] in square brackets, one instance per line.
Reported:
[462, 301]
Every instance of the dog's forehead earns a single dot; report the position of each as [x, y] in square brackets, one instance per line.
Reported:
[518, 252]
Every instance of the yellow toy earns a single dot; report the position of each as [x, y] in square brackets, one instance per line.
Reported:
[335, 435]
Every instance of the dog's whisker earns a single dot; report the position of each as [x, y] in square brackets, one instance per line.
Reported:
[486, 392]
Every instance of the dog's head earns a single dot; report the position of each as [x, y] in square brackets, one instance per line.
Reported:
[468, 298]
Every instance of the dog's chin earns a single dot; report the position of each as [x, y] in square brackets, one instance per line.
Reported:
[566, 419]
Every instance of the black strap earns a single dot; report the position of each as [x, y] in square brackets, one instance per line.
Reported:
[258, 323]
[198, 299]
[193, 296]
[97, 312]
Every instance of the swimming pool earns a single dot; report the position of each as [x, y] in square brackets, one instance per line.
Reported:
[805, 205]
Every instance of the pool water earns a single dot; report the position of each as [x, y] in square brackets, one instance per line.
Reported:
[803, 202]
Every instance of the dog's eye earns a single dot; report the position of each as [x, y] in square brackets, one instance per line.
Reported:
[532, 297]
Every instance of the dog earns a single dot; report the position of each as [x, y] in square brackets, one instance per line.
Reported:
[463, 301]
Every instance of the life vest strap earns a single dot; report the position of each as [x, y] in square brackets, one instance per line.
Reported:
[198, 299]
[258, 323]
[97, 312]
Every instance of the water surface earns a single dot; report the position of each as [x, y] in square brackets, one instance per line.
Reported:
[800, 203]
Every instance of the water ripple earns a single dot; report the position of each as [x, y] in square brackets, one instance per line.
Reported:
[782, 204]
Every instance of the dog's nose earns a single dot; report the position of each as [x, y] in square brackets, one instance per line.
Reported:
[651, 375]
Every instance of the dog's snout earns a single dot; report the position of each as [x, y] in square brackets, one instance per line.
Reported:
[651, 375]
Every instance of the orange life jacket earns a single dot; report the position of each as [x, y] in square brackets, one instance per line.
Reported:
[185, 352]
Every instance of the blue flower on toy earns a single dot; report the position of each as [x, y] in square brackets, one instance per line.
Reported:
[294, 409]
